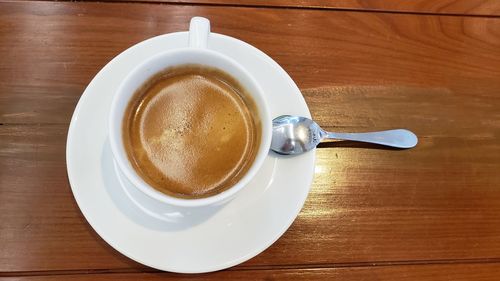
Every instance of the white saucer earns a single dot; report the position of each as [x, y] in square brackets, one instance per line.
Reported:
[173, 239]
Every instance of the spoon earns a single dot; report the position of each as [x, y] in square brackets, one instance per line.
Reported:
[295, 135]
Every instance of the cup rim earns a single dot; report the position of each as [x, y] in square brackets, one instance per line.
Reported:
[120, 155]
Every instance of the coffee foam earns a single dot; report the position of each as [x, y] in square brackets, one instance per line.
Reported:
[190, 133]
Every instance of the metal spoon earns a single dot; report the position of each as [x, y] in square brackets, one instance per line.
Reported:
[296, 135]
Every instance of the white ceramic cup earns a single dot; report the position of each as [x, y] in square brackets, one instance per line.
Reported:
[196, 53]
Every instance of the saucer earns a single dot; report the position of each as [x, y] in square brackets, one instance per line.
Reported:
[176, 239]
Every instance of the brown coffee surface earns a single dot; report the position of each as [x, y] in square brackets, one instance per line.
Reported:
[191, 131]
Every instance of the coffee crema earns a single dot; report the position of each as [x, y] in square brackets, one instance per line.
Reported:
[191, 131]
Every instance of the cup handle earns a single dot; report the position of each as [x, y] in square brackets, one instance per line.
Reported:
[199, 29]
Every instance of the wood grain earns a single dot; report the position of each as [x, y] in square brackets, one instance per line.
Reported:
[454, 7]
[456, 272]
[51, 51]
[439, 201]
[435, 204]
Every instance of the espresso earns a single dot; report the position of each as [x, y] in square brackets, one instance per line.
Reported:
[191, 131]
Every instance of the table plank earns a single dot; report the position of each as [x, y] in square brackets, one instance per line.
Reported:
[441, 272]
[454, 7]
[439, 201]
[50, 51]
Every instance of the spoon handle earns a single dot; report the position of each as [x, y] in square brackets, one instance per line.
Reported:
[400, 138]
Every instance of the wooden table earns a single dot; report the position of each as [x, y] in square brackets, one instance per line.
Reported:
[429, 213]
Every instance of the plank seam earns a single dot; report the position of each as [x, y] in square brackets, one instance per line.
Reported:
[266, 267]
[229, 5]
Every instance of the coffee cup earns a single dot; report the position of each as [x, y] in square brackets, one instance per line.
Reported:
[196, 53]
